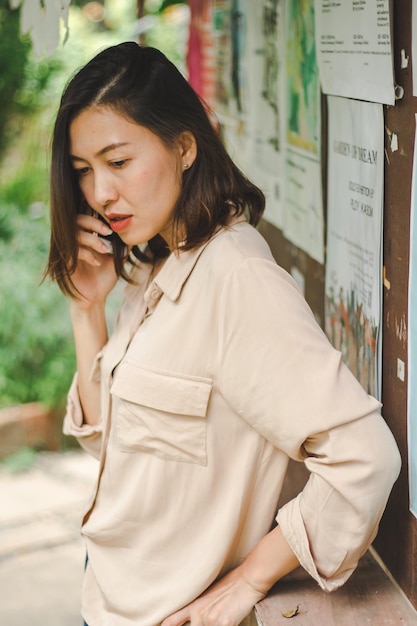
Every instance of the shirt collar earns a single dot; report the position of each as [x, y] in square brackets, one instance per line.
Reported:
[174, 273]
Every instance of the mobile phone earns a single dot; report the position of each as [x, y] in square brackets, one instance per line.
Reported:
[106, 239]
[108, 243]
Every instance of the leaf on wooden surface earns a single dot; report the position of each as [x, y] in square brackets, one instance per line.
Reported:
[291, 613]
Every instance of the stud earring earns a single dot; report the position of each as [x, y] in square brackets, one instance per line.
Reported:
[186, 166]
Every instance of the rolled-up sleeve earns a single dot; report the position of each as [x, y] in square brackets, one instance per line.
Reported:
[88, 436]
[335, 518]
[280, 373]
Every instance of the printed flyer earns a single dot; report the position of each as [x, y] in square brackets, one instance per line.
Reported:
[303, 212]
[412, 343]
[266, 59]
[353, 297]
[414, 44]
[230, 31]
[354, 49]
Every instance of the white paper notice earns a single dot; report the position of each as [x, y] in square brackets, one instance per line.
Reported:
[354, 49]
[414, 45]
[354, 239]
[266, 59]
[412, 343]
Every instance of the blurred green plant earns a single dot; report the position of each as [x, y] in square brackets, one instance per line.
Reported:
[22, 79]
[20, 461]
[36, 348]
[14, 55]
[37, 357]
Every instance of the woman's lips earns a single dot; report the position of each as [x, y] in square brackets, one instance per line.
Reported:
[119, 222]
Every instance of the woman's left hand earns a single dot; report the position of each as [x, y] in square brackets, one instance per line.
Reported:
[227, 602]
[233, 597]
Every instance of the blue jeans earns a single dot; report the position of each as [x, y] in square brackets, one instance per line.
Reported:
[85, 565]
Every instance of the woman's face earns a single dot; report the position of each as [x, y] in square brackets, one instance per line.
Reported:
[127, 174]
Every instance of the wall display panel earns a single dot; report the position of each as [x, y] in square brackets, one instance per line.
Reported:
[396, 542]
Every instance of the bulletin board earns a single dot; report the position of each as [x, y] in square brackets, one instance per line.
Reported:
[396, 542]
[256, 133]
[397, 539]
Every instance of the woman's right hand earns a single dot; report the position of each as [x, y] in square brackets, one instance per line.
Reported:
[94, 276]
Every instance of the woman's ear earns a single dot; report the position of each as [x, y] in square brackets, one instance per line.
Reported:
[187, 148]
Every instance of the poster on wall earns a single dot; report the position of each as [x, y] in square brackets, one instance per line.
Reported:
[412, 342]
[353, 298]
[266, 60]
[354, 49]
[200, 55]
[303, 211]
[414, 44]
[230, 32]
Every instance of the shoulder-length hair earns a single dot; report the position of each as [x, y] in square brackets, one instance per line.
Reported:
[143, 85]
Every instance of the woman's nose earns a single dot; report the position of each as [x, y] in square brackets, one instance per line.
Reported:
[105, 190]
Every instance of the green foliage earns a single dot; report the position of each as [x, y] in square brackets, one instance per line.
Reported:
[20, 461]
[13, 58]
[37, 357]
[169, 29]
[22, 190]
[22, 79]
[36, 348]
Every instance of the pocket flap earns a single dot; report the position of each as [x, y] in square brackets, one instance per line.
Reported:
[183, 395]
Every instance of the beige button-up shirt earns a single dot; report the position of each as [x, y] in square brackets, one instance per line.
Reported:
[216, 373]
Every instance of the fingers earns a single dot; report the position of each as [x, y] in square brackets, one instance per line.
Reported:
[180, 618]
[93, 224]
[88, 256]
[90, 244]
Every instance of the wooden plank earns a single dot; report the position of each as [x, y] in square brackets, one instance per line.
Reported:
[369, 597]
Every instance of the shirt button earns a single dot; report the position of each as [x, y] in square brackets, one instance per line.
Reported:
[155, 293]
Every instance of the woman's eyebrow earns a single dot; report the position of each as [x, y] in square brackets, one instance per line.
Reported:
[111, 146]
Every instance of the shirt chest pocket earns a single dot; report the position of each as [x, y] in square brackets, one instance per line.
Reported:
[161, 413]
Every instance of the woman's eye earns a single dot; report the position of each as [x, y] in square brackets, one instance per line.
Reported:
[82, 171]
[118, 164]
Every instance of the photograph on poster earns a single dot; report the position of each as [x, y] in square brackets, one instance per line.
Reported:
[303, 210]
[354, 237]
[412, 342]
[354, 50]
[302, 78]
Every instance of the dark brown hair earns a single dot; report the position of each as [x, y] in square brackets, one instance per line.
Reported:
[143, 85]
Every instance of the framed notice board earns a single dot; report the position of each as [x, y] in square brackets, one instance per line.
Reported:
[396, 542]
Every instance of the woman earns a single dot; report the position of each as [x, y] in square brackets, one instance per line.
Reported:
[215, 374]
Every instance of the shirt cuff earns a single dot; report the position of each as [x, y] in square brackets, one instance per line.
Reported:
[291, 522]
[74, 418]
[95, 374]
